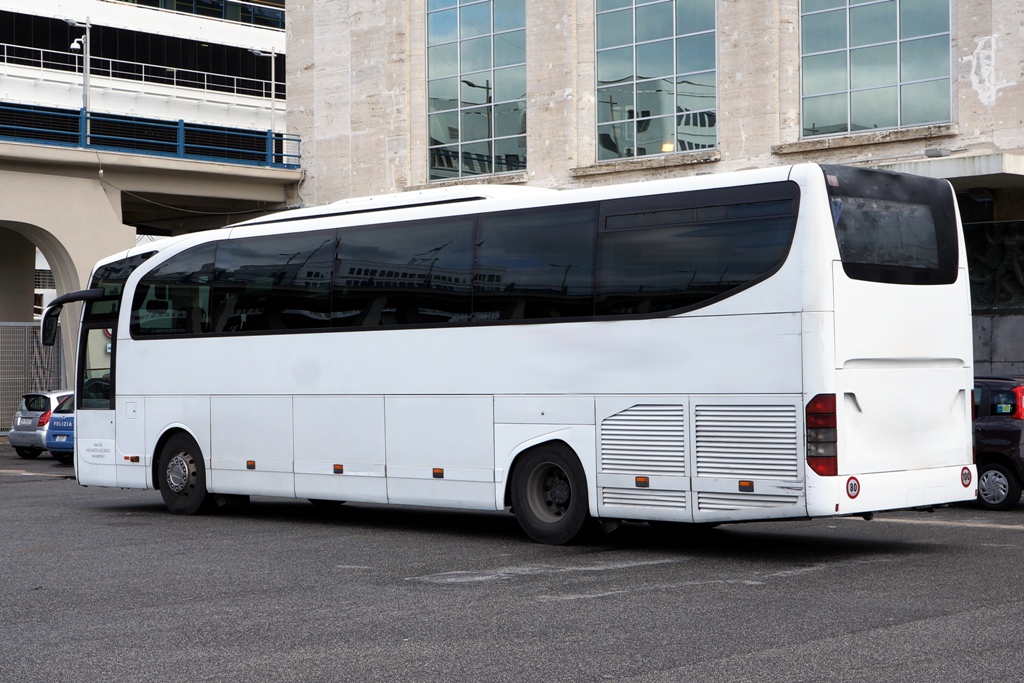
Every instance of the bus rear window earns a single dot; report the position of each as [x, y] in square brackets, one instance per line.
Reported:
[893, 228]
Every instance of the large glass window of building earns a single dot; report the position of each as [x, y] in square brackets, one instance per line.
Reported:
[656, 77]
[476, 87]
[874, 65]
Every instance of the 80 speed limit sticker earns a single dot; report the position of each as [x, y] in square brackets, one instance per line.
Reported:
[852, 487]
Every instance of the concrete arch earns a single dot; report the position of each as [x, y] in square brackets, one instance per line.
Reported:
[66, 274]
[73, 220]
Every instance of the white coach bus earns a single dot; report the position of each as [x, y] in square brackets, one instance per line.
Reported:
[783, 343]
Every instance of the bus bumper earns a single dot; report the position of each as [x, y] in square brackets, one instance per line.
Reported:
[851, 494]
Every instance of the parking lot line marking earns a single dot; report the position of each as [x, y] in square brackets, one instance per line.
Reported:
[936, 522]
[33, 474]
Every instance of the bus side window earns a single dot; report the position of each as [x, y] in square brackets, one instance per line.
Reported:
[404, 274]
[535, 263]
[680, 251]
[277, 282]
[174, 298]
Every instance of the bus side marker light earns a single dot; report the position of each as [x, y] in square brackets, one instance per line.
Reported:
[339, 469]
[131, 458]
[643, 482]
[746, 486]
[250, 464]
[438, 473]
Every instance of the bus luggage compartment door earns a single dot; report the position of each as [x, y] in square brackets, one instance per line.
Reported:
[747, 458]
[643, 448]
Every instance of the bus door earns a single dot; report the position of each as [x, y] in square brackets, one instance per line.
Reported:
[94, 418]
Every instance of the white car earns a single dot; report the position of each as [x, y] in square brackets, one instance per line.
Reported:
[31, 421]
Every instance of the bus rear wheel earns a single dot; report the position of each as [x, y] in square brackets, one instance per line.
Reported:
[549, 496]
[181, 476]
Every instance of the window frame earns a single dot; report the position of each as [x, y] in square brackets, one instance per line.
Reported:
[849, 93]
[609, 148]
[459, 157]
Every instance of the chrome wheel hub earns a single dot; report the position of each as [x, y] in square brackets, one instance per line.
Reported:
[180, 471]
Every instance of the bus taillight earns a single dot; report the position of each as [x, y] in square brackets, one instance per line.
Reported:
[821, 435]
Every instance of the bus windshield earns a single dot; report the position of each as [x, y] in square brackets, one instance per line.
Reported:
[110, 278]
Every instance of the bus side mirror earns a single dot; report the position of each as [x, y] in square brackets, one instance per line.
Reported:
[48, 325]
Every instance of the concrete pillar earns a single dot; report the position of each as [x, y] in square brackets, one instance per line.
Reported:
[553, 64]
[17, 277]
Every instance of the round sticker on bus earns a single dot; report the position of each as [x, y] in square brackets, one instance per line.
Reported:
[852, 487]
[109, 331]
[965, 477]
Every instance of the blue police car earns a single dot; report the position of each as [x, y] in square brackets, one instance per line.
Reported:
[60, 437]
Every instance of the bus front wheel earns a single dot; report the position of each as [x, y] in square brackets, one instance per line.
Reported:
[549, 496]
[181, 476]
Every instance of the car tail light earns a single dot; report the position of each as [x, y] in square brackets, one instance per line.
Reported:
[43, 419]
[1018, 412]
[821, 435]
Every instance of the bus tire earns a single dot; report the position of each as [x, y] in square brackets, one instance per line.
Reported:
[998, 488]
[549, 495]
[181, 476]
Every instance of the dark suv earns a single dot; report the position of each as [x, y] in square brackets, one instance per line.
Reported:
[998, 442]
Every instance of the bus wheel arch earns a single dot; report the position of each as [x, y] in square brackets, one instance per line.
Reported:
[547, 491]
[179, 473]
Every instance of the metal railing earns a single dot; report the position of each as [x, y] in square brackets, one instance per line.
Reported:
[180, 139]
[257, 14]
[56, 60]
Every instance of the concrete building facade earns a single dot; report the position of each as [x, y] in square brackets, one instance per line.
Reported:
[934, 87]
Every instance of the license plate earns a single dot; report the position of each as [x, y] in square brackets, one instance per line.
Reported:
[62, 437]
[24, 420]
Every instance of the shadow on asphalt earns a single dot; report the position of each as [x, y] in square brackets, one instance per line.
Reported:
[782, 542]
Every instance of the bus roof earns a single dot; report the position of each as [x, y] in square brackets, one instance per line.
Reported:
[489, 196]
[404, 200]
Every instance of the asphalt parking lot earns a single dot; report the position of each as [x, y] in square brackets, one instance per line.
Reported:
[106, 585]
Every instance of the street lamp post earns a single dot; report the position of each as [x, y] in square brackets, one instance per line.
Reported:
[83, 43]
[273, 84]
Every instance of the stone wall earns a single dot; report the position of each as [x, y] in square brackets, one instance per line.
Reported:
[357, 72]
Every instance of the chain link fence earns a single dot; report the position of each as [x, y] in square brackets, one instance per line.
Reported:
[25, 366]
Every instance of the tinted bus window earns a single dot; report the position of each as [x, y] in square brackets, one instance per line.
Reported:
[405, 274]
[893, 228]
[535, 264]
[670, 254]
[281, 282]
[174, 298]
